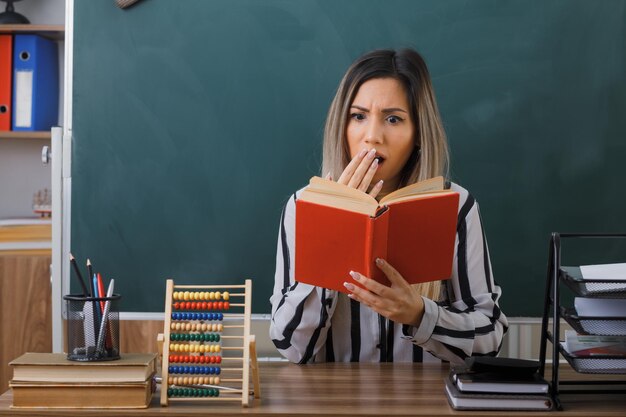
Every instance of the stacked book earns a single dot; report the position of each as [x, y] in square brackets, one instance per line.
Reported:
[486, 383]
[50, 380]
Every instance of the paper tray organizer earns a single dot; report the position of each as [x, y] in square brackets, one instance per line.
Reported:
[592, 287]
[596, 364]
[601, 326]
[553, 311]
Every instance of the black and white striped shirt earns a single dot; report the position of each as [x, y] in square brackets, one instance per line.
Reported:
[312, 324]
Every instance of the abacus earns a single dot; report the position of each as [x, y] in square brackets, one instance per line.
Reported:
[200, 362]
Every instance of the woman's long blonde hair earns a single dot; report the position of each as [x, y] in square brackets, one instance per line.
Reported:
[430, 157]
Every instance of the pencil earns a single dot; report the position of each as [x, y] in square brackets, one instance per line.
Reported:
[90, 272]
[79, 275]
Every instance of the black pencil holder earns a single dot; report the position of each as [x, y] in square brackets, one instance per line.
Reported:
[93, 328]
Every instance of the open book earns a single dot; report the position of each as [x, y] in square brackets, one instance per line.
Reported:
[339, 229]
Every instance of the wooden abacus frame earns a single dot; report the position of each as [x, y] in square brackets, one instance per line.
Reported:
[248, 359]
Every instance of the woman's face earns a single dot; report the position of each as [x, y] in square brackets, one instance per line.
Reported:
[380, 118]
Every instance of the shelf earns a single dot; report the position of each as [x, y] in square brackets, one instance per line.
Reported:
[601, 326]
[56, 32]
[597, 364]
[25, 135]
[595, 288]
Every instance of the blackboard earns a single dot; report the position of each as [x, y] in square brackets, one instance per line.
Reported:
[194, 121]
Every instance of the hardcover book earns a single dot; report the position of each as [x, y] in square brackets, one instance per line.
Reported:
[82, 395]
[54, 367]
[339, 229]
[497, 383]
[489, 401]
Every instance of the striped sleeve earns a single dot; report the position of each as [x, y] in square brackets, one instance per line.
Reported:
[468, 321]
[301, 313]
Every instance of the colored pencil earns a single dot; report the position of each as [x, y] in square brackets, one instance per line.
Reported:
[79, 275]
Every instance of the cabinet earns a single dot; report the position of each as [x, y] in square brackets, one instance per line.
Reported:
[22, 173]
[555, 310]
[25, 307]
[25, 302]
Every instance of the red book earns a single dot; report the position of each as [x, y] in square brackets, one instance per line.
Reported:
[340, 229]
[6, 69]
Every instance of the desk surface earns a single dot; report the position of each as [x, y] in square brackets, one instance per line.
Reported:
[349, 389]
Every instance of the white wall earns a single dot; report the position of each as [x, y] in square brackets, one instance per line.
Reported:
[21, 172]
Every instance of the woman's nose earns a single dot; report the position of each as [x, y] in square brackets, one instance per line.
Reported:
[374, 132]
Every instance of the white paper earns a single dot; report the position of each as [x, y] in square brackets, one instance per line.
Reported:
[575, 343]
[604, 272]
[600, 307]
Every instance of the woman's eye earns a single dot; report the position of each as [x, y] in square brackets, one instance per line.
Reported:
[394, 119]
[357, 116]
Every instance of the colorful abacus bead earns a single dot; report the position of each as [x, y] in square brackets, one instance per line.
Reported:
[206, 380]
[193, 370]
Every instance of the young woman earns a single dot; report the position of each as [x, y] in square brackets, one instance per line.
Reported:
[383, 131]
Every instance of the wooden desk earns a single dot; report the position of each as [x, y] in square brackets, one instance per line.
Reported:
[336, 389]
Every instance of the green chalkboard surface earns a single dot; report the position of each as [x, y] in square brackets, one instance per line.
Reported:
[194, 121]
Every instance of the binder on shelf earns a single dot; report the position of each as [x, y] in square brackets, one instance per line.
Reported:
[6, 69]
[35, 83]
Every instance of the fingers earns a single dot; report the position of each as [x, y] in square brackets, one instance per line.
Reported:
[372, 286]
[392, 274]
[369, 174]
[375, 295]
[351, 168]
[359, 172]
[362, 295]
[376, 188]
[399, 303]
[366, 168]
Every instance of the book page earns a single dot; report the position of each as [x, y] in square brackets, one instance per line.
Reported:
[330, 193]
[419, 196]
[429, 185]
[338, 201]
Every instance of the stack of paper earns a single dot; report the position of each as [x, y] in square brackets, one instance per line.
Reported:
[604, 272]
[591, 345]
[600, 307]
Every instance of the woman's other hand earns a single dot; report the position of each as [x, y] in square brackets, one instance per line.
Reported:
[360, 171]
[401, 302]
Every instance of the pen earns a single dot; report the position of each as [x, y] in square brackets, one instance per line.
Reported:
[97, 310]
[105, 314]
[100, 290]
